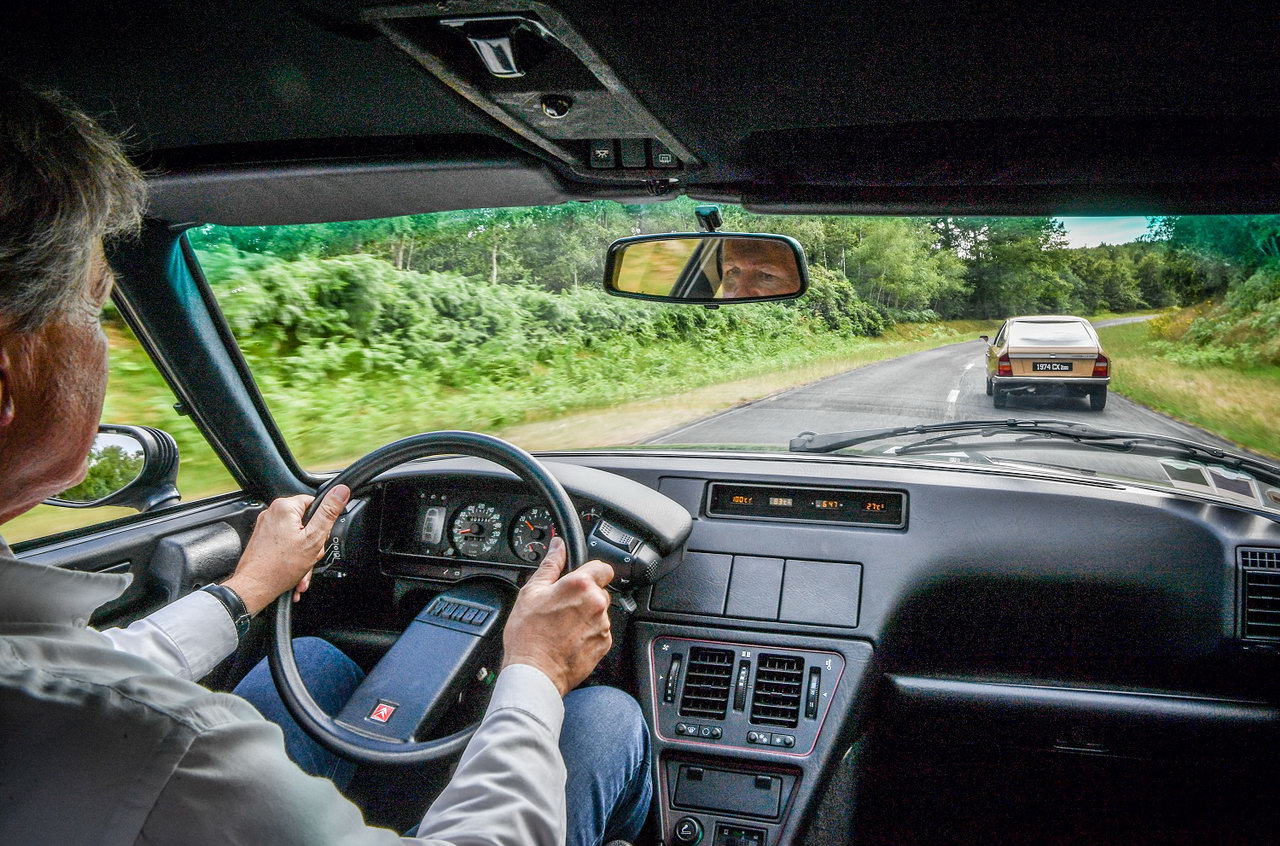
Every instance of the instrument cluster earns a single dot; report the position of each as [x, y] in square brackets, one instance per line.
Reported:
[474, 521]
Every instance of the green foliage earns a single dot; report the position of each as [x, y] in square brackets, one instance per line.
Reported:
[111, 468]
[495, 316]
[345, 341]
[1240, 262]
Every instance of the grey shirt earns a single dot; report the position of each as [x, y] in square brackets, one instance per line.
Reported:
[106, 738]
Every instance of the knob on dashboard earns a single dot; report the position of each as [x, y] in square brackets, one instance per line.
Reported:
[688, 831]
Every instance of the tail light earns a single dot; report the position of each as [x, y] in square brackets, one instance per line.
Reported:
[1101, 367]
[1003, 367]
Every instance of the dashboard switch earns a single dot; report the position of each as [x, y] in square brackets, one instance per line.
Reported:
[630, 556]
[736, 835]
[673, 679]
[811, 696]
[688, 832]
[740, 685]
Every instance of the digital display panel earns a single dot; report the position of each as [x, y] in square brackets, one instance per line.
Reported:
[819, 505]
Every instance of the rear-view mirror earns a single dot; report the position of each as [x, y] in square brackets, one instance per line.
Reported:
[707, 267]
[128, 466]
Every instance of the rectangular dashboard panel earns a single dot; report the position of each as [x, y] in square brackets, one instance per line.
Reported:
[712, 695]
[796, 504]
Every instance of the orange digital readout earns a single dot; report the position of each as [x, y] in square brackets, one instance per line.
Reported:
[739, 499]
[873, 506]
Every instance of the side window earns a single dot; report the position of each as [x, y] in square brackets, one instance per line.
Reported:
[1000, 336]
[136, 395]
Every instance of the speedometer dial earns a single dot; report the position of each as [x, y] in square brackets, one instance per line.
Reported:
[477, 528]
[531, 533]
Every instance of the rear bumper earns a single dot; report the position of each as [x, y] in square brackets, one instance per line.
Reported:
[1014, 382]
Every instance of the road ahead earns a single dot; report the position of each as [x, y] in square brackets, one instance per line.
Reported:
[948, 383]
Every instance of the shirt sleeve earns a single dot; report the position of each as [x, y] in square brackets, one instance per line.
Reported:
[188, 637]
[510, 784]
[235, 784]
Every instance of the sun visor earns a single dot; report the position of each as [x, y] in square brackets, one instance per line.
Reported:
[1087, 165]
[263, 195]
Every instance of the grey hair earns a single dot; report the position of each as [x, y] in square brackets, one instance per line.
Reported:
[65, 184]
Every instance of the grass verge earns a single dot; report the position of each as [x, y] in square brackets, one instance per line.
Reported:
[1239, 404]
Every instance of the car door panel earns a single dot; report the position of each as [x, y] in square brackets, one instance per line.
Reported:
[168, 554]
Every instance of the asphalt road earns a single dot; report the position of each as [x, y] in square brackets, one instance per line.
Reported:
[948, 383]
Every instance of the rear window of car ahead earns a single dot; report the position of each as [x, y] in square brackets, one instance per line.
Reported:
[1061, 333]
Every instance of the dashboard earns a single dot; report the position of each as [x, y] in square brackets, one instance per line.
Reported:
[465, 521]
[995, 606]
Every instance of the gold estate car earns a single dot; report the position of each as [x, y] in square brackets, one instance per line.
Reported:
[1049, 354]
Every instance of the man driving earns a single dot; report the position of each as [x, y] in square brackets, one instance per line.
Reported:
[106, 737]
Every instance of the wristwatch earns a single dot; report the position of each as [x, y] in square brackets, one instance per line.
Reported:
[234, 604]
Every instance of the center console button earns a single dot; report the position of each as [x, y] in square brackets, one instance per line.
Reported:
[688, 831]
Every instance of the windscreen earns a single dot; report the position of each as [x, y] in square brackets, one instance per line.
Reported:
[497, 320]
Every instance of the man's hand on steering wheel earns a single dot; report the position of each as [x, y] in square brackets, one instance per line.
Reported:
[281, 551]
[560, 625]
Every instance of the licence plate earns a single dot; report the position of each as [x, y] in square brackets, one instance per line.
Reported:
[1051, 366]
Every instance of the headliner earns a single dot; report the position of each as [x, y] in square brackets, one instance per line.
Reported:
[893, 108]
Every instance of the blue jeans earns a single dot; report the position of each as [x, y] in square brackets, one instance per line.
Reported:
[604, 742]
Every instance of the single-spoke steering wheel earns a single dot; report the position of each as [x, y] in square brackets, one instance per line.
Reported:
[366, 740]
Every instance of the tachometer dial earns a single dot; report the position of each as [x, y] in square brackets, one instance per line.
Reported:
[477, 528]
[531, 532]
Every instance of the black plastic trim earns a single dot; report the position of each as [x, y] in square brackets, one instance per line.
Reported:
[187, 338]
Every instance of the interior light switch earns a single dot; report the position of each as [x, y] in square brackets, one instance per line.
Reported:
[602, 155]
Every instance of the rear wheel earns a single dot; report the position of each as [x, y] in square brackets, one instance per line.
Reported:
[988, 386]
[1098, 398]
[998, 398]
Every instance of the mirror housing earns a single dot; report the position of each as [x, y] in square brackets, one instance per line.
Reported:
[984, 338]
[130, 467]
[707, 268]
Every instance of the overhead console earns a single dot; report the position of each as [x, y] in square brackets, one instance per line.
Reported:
[525, 66]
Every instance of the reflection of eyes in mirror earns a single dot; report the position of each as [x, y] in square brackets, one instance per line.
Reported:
[708, 268]
[114, 461]
[756, 268]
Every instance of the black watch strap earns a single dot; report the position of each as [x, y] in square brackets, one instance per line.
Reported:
[234, 604]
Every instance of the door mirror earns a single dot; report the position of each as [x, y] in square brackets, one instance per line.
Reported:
[985, 338]
[129, 466]
[706, 267]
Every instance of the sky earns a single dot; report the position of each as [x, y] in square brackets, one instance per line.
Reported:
[1092, 231]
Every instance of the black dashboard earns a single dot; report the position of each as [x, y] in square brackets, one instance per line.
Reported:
[469, 522]
[799, 592]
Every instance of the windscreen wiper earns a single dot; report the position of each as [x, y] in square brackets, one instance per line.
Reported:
[813, 442]
[1079, 432]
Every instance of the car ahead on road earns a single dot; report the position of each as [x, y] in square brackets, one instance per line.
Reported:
[973, 631]
[1054, 355]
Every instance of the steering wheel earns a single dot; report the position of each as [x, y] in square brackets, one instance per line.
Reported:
[365, 738]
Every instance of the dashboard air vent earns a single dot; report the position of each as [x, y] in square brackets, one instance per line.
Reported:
[775, 701]
[1263, 559]
[706, 683]
[1260, 591]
